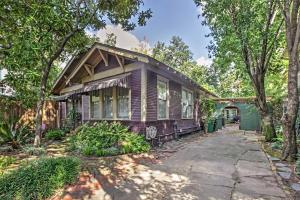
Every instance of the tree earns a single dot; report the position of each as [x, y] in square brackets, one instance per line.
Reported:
[178, 55]
[36, 35]
[175, 54]
[290, 12]
[246, 31]
[111, 39]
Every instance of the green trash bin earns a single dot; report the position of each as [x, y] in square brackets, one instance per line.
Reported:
[210, 126]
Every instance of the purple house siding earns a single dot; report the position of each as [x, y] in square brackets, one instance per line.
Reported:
[134, 63]
[151, 96]
[135, 86]
[165, 128]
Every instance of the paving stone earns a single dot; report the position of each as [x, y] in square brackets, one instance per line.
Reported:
[296, 186]
[280, 165]
[255, 156]
[257, 186]
[220, 166]
[284, 169]
[285, 175]
[247, 168]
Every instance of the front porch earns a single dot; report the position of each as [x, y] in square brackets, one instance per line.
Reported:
[106, 99]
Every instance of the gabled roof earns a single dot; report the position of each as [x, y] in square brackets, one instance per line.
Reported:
[77, 61]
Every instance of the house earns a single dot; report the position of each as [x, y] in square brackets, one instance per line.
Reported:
[114, 84]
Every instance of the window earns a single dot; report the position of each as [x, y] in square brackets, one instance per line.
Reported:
[162, 97]
[123, 102]
[95, 108]
[69, 106]
[108, 103]
[187, 104]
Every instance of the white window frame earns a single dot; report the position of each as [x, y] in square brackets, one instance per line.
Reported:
[100, 106]
[192, 103]
[129, 105]
[166, 81]
[114, 106]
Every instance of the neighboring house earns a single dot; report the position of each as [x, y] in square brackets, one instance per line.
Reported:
[114, 84]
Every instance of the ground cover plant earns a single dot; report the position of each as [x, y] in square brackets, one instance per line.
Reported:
[55, 134]
[5, 161]
[39, 179]
[102, 139]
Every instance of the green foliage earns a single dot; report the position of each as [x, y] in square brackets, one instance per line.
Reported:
[5, 161]
[208, 108]
[105, 138]
[277, 143]
[13, 133]
[55, 134]
[178, 55]
[245, 43]
[39, 179]
[37, 36]
[111, 39]
[32, 150]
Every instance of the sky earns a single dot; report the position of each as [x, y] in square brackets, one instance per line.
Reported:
[170, 17]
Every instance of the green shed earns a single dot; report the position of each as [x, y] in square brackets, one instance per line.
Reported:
[248, 115]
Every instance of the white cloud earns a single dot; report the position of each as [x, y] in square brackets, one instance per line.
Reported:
[203, 61]
[125, 39]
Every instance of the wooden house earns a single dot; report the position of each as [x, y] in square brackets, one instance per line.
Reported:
[114, 84]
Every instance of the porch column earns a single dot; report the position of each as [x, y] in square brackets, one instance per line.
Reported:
[143, 93]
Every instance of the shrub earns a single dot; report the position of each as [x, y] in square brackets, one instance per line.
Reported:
[5, 161]
[39, 179]
[277, 142]
[32, 150]
[14, 134]
[102, 139]
[55, 134]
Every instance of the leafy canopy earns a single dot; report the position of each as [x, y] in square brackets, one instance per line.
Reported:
[247, 40]
[36, 34]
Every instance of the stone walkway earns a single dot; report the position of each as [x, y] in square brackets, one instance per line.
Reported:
[227, 165]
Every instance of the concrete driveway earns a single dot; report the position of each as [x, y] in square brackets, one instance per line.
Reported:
[223, 166]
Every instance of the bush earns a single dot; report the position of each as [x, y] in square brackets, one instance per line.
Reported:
[277, 142]
[14, 134]
[5, 161]
[39, 179]
[55, 134]
[32, 150]
[105, 138]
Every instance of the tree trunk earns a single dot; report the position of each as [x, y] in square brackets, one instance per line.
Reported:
[267, 127]
[40, 104]
[267, 124]
[38, 122]
[289, 118]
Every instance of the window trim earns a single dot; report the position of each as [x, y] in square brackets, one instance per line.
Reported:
[90, 106]
[114, 106]
[189, 91]
[166, 81]
[129, 105]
